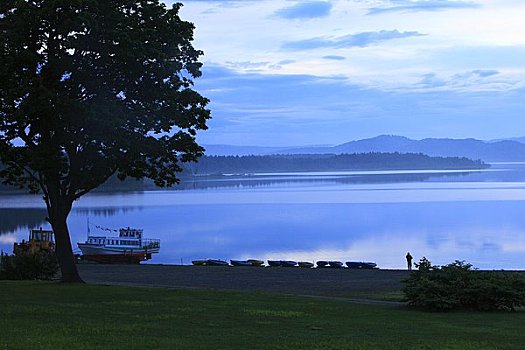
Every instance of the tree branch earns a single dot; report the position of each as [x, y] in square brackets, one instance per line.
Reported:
[87, 190]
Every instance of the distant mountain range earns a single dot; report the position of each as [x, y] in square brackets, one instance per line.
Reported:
[488, 151]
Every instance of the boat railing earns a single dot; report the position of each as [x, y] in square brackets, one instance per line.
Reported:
[151, 243]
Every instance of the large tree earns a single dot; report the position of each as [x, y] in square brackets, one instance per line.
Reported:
[90, 89]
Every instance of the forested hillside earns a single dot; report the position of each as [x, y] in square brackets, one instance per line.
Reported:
[326, 162]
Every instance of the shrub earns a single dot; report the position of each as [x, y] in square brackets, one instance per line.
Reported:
[41, 265]
[458, 286]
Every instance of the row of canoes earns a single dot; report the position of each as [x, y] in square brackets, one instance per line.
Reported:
[288, 263]
[216, 262]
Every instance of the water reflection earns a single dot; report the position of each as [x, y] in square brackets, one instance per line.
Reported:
[105, 211]
[314, 179]
[16, 219]
[441, 216]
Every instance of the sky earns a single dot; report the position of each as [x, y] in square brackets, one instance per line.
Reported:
[289, 73]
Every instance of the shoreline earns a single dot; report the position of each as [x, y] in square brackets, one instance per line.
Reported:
[323, 282]
[320, 282]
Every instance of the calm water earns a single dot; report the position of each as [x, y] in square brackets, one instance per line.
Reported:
[373, 216]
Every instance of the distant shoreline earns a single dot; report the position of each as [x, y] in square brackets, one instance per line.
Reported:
[373, 161]
[242, 167]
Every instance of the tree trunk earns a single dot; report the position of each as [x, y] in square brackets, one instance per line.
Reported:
[64, 251]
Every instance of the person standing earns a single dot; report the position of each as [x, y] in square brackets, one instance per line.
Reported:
[409, 261]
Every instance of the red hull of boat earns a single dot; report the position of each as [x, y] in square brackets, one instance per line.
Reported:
[117, 258]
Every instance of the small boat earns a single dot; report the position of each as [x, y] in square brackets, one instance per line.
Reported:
[199, 262]
[274, 263]
[256, 262]
[322, 263]
[216, 262]
[335, 264]
[129, 247]
[288, 263]
[240, 263]
[305, 264]
[361, 265]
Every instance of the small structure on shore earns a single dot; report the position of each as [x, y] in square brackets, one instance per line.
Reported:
[39, 240]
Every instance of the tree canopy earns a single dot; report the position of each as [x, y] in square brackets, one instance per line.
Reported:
[92, 88]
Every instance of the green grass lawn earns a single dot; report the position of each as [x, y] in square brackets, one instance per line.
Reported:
[43, 315]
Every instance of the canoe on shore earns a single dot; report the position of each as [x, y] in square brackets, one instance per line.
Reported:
[361, 265]
[288, 263]
[282, 263]
[240, 263]
[256, 262]
[216, 262]
[335, 264]
[322, 263]
[305, 264]
[274, 263]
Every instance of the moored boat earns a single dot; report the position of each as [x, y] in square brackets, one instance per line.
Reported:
[127, 247]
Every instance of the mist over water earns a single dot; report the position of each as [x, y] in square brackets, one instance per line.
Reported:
[474, 216]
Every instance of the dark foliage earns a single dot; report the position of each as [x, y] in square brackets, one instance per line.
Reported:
[457, 286]
[40, 265]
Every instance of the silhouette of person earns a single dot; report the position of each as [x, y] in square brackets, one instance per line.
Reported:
[409, 261]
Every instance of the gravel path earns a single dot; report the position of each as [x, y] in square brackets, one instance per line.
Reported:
[328, 283]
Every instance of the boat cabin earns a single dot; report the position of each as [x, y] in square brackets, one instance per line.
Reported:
[128, 237]
[130, 232]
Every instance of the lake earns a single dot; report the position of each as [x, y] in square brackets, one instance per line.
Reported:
[477, 216]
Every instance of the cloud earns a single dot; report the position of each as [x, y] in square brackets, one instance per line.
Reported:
[431, 80]
[305, 10]
[481, 79]
[424, 5]
[334, 58]
[352, 40]
[473, 76]
[485, 73]
[291, 109]
[247, 64]
[466, 57]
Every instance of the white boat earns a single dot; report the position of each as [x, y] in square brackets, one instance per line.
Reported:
[128, 247]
